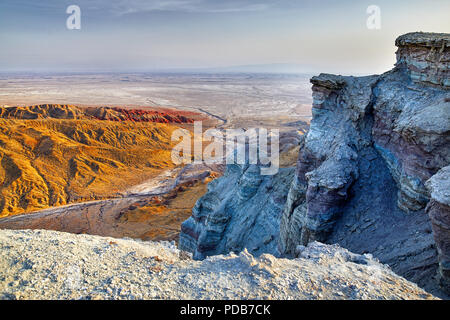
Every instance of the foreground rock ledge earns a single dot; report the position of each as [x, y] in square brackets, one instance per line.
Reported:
[55, 265]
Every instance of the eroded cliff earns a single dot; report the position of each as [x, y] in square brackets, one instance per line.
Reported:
[373, 144]
[362, 172]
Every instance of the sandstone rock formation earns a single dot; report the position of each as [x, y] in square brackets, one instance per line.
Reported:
[426, 57]
[54, 265]
[373, 143]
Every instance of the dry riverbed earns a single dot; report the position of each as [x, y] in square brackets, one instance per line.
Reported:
[153, 210]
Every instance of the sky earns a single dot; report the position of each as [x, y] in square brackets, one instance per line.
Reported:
[308, 36]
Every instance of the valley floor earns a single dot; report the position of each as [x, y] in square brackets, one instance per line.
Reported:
[153, 210]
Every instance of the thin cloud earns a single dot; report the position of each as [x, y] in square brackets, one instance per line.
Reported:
[127, 7]
[122, 7]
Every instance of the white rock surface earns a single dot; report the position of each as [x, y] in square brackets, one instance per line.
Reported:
[55, 265]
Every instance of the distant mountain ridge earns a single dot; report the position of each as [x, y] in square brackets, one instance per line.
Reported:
[58, 111]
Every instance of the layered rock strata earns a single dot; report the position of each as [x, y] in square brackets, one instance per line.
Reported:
[373, 143]
[58, 111]
[426, 57]
[439, 211]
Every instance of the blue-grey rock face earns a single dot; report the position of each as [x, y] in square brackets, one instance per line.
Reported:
[373, 144]
[242, 209]
[439, 211]
[361, 177]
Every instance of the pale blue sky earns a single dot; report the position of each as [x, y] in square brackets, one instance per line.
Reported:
[145, 35]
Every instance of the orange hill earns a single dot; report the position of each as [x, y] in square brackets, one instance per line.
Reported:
[55, 111]
[58, 154]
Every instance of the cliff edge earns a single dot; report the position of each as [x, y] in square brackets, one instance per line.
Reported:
[55, 265]
[373, 144]
[369, 170]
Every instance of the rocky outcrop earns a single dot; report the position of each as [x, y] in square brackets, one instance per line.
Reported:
[55, 265]
[328, 163]
[242, 209]
[361, 176]
[425, 57]
[439, 211]
[373, 143]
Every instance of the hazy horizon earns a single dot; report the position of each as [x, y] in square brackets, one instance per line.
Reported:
[199, 35]
[269, 69]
